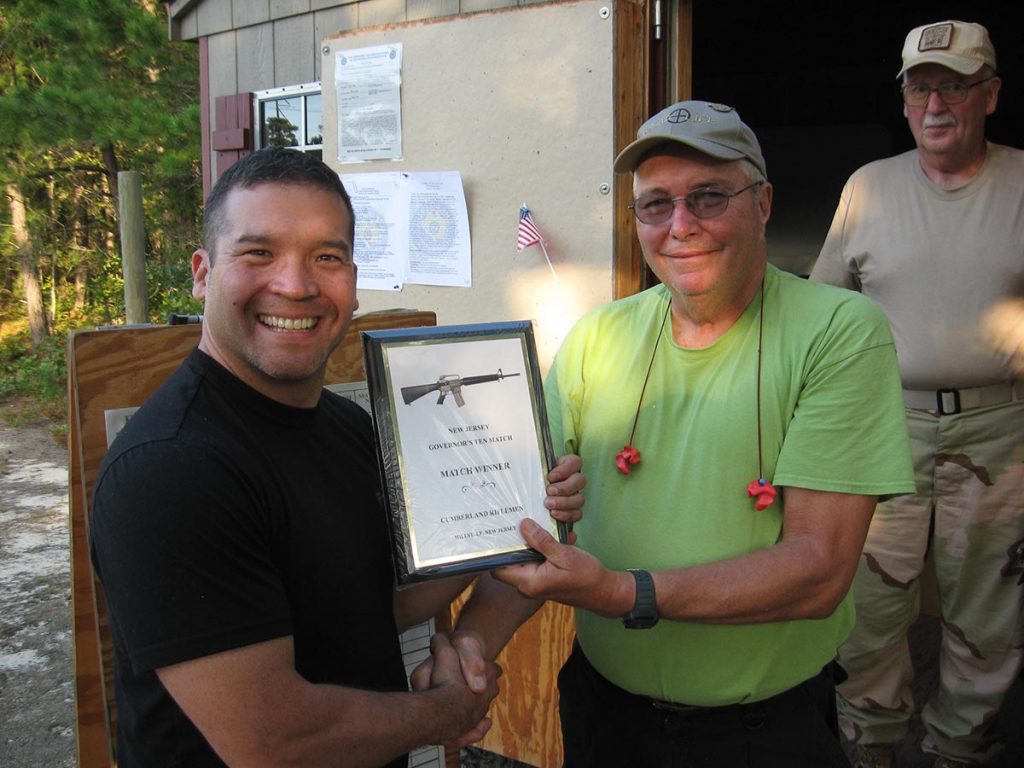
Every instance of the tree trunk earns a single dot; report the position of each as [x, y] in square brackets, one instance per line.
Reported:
[27, 267]
[113, 167]
[81, 279]
[80, 237]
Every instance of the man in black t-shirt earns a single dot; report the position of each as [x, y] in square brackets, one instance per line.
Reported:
[237, 525]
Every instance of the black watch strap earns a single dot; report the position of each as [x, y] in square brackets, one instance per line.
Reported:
[644, 614]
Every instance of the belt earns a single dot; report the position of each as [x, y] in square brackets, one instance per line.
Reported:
[755, 711]
[951, 401]
[690, 710]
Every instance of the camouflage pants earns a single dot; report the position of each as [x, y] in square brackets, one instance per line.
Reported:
[969, 470]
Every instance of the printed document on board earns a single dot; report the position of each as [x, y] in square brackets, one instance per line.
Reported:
[368, 82]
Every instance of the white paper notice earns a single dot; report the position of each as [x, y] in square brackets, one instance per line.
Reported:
[439, 251]
[410, 228]
[369, 83]
[382, 236]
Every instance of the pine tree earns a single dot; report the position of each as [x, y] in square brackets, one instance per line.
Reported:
[89, 88]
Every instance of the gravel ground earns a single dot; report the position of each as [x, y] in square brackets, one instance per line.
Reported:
[36, 676]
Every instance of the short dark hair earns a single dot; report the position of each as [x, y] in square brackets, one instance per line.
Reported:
[280, 165]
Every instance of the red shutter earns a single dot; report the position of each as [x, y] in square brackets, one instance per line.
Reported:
[233, 138]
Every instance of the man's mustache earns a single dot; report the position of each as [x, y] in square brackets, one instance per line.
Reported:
[939, 121]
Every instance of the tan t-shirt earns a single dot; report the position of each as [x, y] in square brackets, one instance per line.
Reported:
[935, 260]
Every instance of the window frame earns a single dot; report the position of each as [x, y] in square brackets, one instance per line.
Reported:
[303, 91]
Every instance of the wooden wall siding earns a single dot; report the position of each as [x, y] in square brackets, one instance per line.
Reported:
[296, 50]
[214, 16]
[185, 27]
[223, 66]
[282, 8]
[418, 10]
[249, 13]
[192, 20]
[473, 6]
[330, 22]
[375, 12]
[254, 58]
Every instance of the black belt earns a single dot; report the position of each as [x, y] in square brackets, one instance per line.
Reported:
[752, 714]
[951, 401]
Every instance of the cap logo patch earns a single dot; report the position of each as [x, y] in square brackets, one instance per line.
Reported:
[936, 38]
[678, 116]
[720, 107]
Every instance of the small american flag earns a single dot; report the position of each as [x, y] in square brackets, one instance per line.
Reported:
[528, 234]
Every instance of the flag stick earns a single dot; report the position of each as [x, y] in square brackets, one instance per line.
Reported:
[548, 259]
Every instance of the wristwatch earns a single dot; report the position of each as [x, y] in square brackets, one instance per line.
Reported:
[644, 613]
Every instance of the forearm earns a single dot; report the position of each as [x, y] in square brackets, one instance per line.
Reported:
[494, 612]
[328, 725]
[418, 603]
[803, 576]
[255, 709]
[786, 582]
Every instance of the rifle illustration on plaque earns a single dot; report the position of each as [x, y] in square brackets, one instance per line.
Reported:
[450, 384]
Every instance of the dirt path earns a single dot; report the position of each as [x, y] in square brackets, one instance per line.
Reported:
[36, 688]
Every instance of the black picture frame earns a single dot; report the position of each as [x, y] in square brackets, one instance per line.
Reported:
[460, 470]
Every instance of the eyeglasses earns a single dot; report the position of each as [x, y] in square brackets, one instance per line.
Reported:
[704, 203]
[917, 94]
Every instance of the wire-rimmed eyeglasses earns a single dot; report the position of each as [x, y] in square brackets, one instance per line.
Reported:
[704, 203]
[956, 92]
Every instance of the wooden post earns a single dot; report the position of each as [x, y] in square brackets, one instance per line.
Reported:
[133, 246]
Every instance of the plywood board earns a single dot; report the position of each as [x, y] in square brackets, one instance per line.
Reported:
[520, 102]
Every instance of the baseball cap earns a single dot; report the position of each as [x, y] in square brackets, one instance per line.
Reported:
[959, 45]
[713, 129]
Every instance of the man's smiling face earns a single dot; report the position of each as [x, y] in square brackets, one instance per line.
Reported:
[279, 287]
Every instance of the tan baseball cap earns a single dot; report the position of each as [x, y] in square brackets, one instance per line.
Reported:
[713, 129]
[961, 46]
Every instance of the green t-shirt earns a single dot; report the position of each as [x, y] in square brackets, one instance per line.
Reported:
[831, 419]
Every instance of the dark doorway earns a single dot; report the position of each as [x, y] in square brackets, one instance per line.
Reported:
[817, 83]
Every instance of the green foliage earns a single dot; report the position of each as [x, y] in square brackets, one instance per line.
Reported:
[176, 293]
[38, 376]
[88, 88]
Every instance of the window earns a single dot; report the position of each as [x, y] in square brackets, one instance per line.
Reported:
[291, 117]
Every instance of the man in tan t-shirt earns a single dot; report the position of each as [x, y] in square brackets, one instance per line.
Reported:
[936, 237]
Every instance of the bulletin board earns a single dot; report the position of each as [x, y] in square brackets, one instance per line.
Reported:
[520, 102]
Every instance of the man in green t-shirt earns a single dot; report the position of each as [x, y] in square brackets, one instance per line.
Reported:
[736, 426]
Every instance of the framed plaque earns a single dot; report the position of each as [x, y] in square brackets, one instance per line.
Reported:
[463, 444]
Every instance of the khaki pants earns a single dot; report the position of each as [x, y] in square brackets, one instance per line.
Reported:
[969, 508]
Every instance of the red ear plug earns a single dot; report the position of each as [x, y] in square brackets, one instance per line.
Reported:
[628, 455]
[763, 491]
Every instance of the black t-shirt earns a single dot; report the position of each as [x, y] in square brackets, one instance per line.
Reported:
[222, 518]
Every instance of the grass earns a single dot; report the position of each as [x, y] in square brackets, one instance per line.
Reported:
[33, 382]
